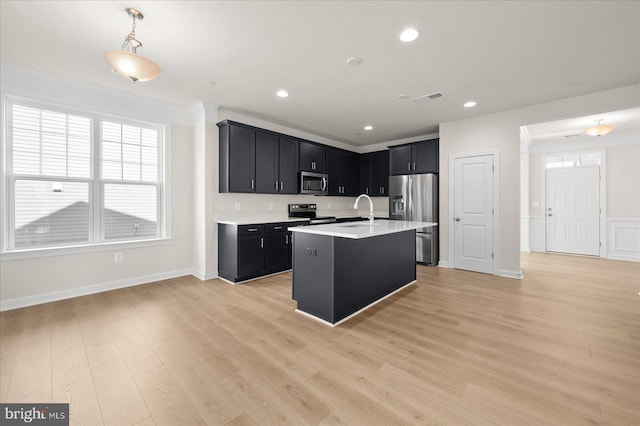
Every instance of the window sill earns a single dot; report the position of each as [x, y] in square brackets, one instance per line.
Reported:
[81, 249]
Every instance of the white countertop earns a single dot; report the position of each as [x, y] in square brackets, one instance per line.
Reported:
[362, 229]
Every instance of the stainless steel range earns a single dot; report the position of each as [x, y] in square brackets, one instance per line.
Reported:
[308, 211]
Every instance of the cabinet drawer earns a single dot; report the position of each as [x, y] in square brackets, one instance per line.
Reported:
[275, 227]
[250, 229]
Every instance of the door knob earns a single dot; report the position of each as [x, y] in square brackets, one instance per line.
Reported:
[550, 215]
[457, 219]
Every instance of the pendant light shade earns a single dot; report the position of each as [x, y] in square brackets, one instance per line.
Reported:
[598, 130]
[127, 62]
[131, 65]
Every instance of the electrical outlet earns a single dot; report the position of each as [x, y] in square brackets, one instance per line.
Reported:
[118, 257]
[270, 206]
[236, 206]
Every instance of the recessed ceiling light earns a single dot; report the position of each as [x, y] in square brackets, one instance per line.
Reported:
[368, 127]
[282, 93]
[409, 35]
[469, 104]
[354, 60]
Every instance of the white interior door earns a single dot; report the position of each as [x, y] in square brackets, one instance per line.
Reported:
[473, 213]
[573, 210]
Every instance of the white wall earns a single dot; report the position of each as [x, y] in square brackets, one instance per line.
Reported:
[501, 131]
[35, 280]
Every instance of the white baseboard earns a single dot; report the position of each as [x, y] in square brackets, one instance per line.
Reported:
[204, 277]
[443, 264]
[510, 274]
[21, 302]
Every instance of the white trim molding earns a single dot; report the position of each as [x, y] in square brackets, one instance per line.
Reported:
[205, 277]
[623, 239]
[536, 233]
[21, 302]
[524, 233]
[510, 274]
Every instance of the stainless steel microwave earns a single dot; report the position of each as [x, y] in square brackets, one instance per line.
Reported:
[314, 183]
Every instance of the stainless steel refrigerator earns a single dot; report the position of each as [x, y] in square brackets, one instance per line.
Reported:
[415, 198]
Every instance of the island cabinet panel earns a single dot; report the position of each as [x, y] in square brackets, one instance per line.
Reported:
[251, 251]
[414, 158]
[335, 277]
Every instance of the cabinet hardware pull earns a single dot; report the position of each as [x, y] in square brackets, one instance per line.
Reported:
[277, 227]
[408, 166]
[252, 184]
[276, 185]
[252, 229]
[286, 239]
[366, 191]
[281, 186]
[261, 242]
[414, 166]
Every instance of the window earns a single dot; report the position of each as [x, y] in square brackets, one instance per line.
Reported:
[573, 160]
[78, 179]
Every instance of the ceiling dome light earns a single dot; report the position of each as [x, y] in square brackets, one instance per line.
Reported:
[409, 35]
[368, 127]
[127, 62]
[469, 104]
[598, 130]
[282, 93]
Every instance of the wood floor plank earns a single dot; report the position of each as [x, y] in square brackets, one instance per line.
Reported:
[559, 347]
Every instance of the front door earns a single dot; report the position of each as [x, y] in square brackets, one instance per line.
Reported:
[573, 210]
[473, 213]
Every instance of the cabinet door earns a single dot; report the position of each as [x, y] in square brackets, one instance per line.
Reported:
[365, 173]
[379, 173]
[400, 161]
[266, 163]
[250, 256]
[425, 156]
[333, 171]
[242, 159]
[276, 252]
[288, 165]
[349, 173]
[312, 157]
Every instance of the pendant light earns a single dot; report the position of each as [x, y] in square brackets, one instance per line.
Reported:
[127, 62]
[598, 130]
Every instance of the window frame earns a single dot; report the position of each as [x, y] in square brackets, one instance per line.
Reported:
[96, 233]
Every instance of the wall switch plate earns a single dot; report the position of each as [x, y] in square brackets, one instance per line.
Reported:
[118, 257]
[236, 206]
[270, 206]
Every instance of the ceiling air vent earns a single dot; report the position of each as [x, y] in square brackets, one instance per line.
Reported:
[430, 96]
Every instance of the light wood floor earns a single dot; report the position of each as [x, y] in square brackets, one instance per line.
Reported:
[560, 347]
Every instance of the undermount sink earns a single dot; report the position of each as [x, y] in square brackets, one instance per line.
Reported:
[356, 225]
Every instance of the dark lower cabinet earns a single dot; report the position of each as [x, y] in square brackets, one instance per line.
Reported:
[251, 251]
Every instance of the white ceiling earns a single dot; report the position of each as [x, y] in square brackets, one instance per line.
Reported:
[621, 121]
[501, 54]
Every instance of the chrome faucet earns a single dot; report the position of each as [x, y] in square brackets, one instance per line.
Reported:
[355, 206]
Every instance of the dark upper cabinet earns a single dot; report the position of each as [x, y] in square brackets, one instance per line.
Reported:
[237, 158]
[312, 157]
[419, 157]
[343, 170]
[288, 165]
[374, 173]
[254, 160]
[267, 159]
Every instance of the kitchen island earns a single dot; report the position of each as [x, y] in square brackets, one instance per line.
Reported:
[340, 269]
